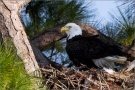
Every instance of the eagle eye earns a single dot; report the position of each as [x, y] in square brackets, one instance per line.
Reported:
[69, 27]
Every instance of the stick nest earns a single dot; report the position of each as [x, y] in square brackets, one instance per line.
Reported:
[90, 79]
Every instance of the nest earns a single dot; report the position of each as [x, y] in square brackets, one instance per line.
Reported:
[90, 79]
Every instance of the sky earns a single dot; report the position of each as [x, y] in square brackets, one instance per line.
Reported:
[103, 8]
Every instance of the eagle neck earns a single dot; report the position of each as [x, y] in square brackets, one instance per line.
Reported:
[70, 36]
[75, 37]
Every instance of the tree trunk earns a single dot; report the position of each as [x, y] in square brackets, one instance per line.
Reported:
[10, 25]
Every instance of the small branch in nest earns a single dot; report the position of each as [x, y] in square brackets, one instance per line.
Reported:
[58, 85]
[134, 80]
[99, 81]
[71, 82]
[82, 85]
[62, 84]
[104, 80]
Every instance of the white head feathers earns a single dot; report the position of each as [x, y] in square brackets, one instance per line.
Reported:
[74, 30]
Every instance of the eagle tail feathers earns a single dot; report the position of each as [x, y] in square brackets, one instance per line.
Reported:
[109, 61]
[117, 59]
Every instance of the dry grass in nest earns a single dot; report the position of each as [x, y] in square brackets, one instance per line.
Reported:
[90, 79]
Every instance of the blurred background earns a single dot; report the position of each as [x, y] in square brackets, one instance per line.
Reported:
[114, 18]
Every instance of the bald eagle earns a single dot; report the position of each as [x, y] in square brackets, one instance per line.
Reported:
[92, 50]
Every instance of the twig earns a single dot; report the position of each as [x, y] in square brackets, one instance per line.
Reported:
[58, 85]
[100, 81]
[105, 82]
[62, 84]
[71, 82]
[78, 84]
[134, 81]
[84, 86]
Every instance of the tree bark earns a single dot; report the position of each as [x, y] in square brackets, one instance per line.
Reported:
[10, 25]
[47, 37]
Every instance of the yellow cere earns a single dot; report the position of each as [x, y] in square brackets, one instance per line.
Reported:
[65, 28]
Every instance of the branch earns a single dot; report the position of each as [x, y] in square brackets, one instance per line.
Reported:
[47, 37]
[53, 34]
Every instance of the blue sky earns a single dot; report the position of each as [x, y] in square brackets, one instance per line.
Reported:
[103, 8]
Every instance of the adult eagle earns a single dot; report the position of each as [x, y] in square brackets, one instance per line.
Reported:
[92, 51]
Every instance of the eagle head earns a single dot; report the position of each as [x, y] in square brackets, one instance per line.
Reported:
[72, 30]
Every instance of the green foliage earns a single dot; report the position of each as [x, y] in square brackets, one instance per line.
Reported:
[49, 13]
[122, 27]
[126, 27]
[12, 73]
[109, 30]
[131, 7]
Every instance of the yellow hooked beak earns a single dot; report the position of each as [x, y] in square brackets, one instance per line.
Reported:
[65, 28]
